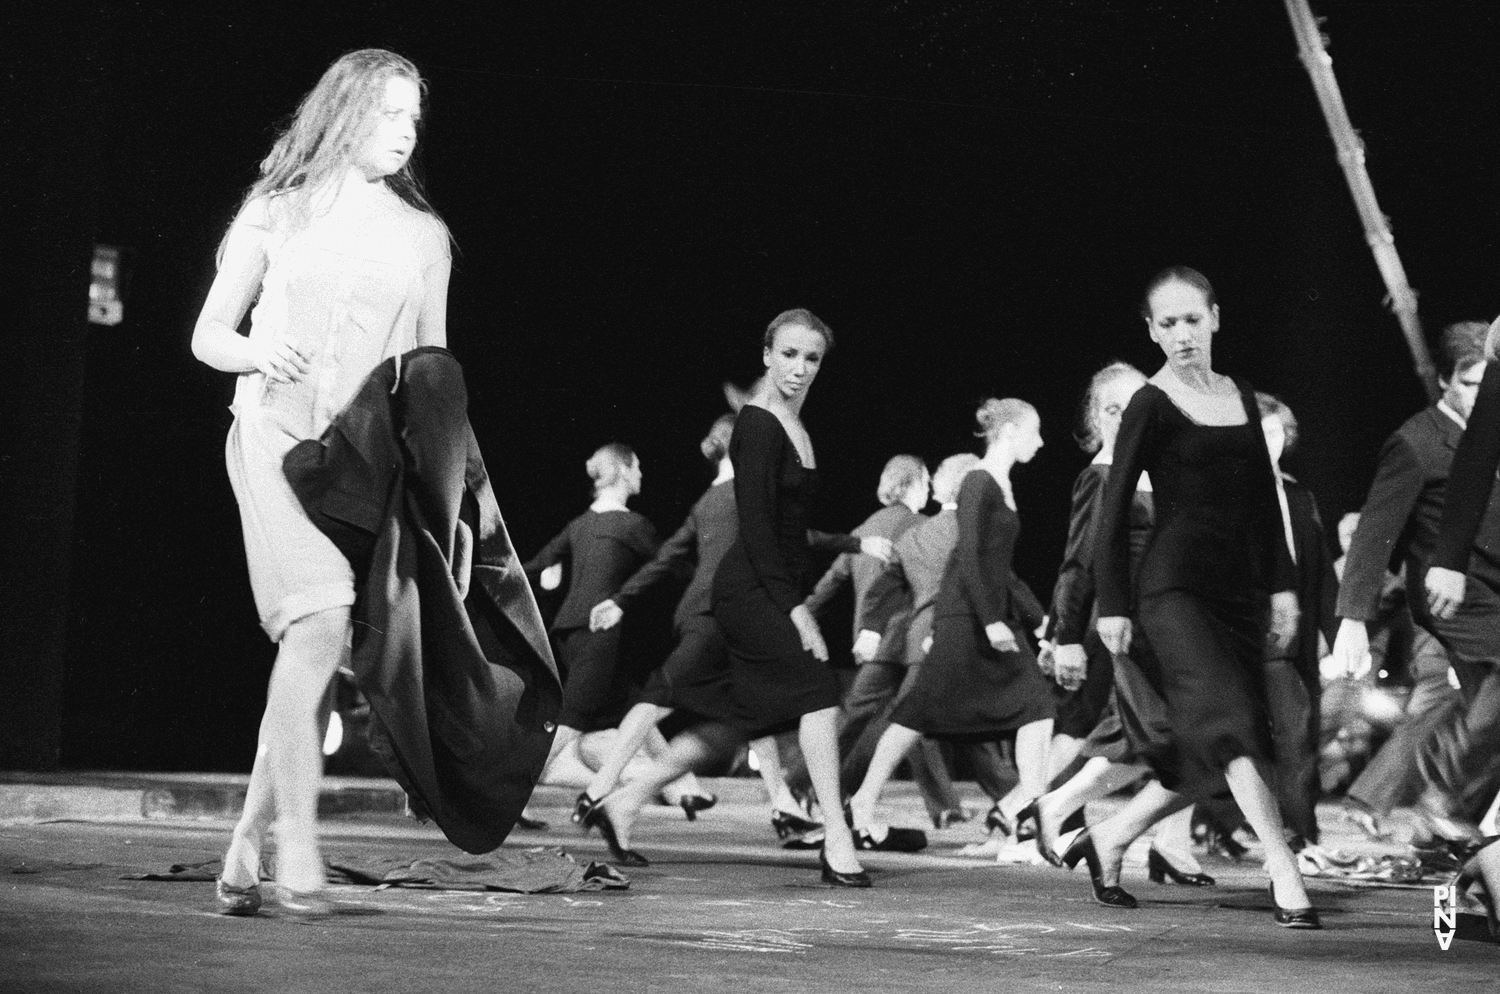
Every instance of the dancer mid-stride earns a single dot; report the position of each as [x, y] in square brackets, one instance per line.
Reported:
[979, 681]
[780, 677]
[350, 266]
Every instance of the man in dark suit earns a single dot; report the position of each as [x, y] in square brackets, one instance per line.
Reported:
[1399, 525]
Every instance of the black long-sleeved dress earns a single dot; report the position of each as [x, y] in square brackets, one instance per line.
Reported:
[966, 689]
[765, 574]
[1201, 595]
[602, 548]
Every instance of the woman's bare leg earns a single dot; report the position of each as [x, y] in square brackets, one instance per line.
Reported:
[1099, 778]
[1174, 840]
[1033, 740]
[637, 726]
[895, 742]
[768, 755]
[818, 735]
[689, 750]
[1113, 835]
[288, 766]
[1248, 783]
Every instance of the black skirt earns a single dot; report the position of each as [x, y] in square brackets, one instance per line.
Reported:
[1079, 711]
[696, 676]
[1212, 655]
[967, 690]
[595, 694]
[775, 680]
[1134, 726]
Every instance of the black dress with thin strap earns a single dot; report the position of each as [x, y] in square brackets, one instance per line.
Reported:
[1201, 596]
[765, 574]
[966, 689]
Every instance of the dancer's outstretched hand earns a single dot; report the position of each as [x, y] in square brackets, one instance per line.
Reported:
[604, 616]
[811, 635]
[1114, 632]
[866, 645]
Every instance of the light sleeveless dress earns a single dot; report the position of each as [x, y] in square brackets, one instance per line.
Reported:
[348, 290]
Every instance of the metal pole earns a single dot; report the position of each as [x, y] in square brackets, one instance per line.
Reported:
[1351, 155]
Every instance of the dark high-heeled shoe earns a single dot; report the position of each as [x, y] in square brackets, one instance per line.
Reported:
[786, 825]
[948, 817]
[995, 821]
[597, 817]
[836, 878]
[691, 804]
[583, 806]
[894, 840]
[1033, 813]
[240, 902]
[1293, 917]
[1113, 896]
[1159, 869]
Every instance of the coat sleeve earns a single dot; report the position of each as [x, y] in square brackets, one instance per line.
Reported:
[1472, 477]
[1388, 507]
[552, 553]
[830, 583]
[1073, 594]
[1136, 447]
[675, 558]
[986, 582]
[887, 597]
[757, 449]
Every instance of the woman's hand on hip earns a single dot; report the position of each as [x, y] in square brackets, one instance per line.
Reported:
[280, 359]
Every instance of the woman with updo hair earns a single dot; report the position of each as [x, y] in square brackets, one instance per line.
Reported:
[601, 547]
[1215, 583]
[979, 680]
[346, 265]
[779, 672]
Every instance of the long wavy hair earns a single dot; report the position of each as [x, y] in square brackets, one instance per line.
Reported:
[319, 142]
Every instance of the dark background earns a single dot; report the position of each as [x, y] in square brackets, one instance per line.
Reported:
[972, 194]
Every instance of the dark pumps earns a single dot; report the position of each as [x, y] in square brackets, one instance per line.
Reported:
[1113, 896]
[995, 821]
[786, 825]
[589, 813]
[1032, 813]
[1160, 870]
[693, 803]
[834, 878]
[240, 902]
[1294, 917]
[894, 840]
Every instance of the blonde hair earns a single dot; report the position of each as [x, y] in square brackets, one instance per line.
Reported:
[1089, 437]
[334, 118]
[1492, 341]
[901, 473]
[608, 463]
[994, 415]
[950, 476]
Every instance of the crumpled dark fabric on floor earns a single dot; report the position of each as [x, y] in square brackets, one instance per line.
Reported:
[540, 870]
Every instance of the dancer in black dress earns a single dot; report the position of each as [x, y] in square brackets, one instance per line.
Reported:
[602, 547]
[696, 675]
[778, 660]
[1215, 567]
[1133, 726]
[979, 680]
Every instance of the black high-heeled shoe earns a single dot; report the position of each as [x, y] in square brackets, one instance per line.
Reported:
[583, 806]
[995, 821]
[1112, 896]
[786, 825]
[691, 804]
[594, 816]
[1159, 869]
[1033, 813]
[836, 878]
[894, 840]
[1306, 918]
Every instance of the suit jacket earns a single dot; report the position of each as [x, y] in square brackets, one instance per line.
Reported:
[888, 522]
[899, 603]
[1403, 512]
[1470, 537]
[705, 536]
[448, 645]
